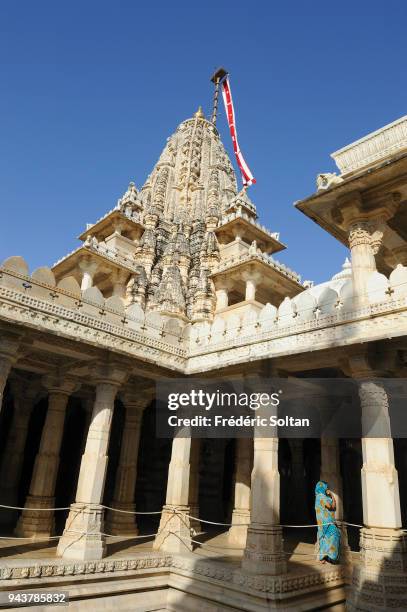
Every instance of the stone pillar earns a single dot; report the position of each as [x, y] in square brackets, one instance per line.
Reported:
[264, 552]
[380, 489]
[380, 580]
[82, 538]
[9, 346]
[250, 289]
[363, 259]
[242, 477]
[88, 268]
[39, 524]
[87, 405]
[119, 522]
[193, 502]
[13, 457]
[174, 533]
[365, 225]
[222, 298]
[119, 279]
[331, 473]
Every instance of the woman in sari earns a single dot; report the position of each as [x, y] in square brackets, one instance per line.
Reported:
[329, 536]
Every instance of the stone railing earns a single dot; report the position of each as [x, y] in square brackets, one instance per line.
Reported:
[102, 249]
[242, 215]
[316, 307]
[38, 301]
[124, 209]
[66, 301]
[375, 147]
[258, 255]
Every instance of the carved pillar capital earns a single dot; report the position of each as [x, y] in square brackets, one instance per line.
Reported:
[136, 400]
[359, 233]
[113, 374]
[89, 265]
[57, 384]
[369, 363]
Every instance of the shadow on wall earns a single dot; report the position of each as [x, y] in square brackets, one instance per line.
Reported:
[380, 583]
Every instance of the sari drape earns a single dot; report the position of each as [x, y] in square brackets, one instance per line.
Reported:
[329, 536]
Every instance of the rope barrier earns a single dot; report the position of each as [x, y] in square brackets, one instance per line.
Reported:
[30, 538]
[246, 524]
[131, 511]
[110, 535]
[36, 509]
[69, 508]
[195, 518]
[79, 533]
[180, 512]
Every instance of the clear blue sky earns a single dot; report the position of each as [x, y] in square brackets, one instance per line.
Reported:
[91, 90]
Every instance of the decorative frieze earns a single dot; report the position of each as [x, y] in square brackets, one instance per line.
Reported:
[373, 148]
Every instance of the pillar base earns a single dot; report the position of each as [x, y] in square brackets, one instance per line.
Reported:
[264, 552]
[237, 534]
[174, 532]
[33, 524]
[82, 539]
[379, 581]
[118, 523]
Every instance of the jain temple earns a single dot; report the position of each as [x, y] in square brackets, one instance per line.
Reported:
[180, 279]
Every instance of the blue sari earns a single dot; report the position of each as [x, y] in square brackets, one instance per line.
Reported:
[329, 536]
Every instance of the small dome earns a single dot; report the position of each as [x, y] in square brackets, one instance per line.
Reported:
[346, 271]
[337, 281]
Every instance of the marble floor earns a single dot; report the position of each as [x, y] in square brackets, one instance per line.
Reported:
[300, 549]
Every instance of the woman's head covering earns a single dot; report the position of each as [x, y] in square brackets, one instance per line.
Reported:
[321, 487]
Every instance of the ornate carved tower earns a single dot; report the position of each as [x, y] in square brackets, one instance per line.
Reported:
[190, 187]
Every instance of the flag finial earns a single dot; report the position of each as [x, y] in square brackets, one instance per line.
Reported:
[216, 78]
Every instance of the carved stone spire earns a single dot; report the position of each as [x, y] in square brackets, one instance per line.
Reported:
[170, 296]
[183, 199]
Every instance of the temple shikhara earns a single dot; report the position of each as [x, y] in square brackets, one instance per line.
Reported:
[181, 279]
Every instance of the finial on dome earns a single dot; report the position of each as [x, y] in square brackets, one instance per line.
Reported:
[346, 271]
[199, 113]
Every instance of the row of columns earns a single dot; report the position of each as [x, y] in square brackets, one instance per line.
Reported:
[222, 292]
[257, 501]
[86, 515]
[42, 488]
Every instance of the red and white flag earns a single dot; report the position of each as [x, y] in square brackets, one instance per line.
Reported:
[247, 176]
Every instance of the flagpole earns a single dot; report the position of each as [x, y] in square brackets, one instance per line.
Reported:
[216, 78]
